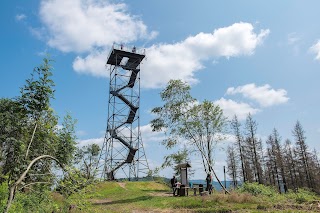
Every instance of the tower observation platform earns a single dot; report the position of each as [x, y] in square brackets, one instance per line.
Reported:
[123, 154]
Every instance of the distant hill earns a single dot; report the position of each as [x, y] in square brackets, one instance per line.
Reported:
[215, 184]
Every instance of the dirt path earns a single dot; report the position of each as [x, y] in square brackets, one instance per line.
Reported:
[123, 185]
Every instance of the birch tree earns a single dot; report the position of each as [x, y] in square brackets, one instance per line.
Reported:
[201, 125]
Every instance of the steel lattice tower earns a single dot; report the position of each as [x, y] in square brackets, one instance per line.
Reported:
[123, 152]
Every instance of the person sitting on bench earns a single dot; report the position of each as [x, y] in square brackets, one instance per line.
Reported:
[173, 184]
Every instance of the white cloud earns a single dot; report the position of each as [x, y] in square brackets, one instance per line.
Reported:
[293, 38]
[148, 136]
[294, 42]
[20, 17]
[237, 39]
[90, 141]
[39, 33]
[316, 50]
[82, 25]
[231, 108]
[264, 95]
[182, 59]
[93, 64]
[80, 133]
[91, 26]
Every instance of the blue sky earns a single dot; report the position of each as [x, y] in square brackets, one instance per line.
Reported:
[261, 57]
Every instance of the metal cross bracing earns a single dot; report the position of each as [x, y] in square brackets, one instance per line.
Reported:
[123, 152]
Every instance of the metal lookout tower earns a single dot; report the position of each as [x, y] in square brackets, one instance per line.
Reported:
[123, 153]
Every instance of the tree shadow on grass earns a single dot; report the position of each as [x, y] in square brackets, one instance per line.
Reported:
[153, 190]
[131, 200]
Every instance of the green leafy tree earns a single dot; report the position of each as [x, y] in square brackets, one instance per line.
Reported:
[66, 146]
[30, 140]
[13, 127]
[173, 159]
[82, 173]
[87, 157]
[202, 125]
[36, 95]
[71, 183]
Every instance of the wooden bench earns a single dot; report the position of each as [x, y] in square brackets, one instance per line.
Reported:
[196, 187]
[177, 190]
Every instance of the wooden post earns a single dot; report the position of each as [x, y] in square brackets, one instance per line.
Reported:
[224, 171]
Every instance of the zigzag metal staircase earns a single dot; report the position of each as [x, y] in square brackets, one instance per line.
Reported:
[129, 61]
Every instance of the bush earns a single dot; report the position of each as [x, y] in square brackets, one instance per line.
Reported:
[303, 196]
[258, 189]
[72, 183]
[33, 202]
[235, 197]
[3, 195]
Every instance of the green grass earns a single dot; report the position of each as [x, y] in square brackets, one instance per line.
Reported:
[155, 197]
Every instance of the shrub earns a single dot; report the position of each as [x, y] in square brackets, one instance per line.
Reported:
[258, 189]
[235, 197]
[33, 202]
[302, 196]
[3, 195]
[73, 182]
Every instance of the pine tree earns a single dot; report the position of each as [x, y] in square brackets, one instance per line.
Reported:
[302, 152]
[235, 126]
[253, 145]
[232, 164]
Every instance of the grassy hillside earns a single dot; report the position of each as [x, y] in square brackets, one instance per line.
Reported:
[157, 197]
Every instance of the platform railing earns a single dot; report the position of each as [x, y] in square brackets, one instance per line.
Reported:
[126, 48]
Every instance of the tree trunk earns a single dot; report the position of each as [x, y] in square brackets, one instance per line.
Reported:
[212, 170]
[235, 125]
[34, 131]
[14, 186]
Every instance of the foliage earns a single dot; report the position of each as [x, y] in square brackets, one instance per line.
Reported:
[87, 158]
[3, 195]
[303, 196]
[38, 90]
[72, 182]
[257, 189]
[182, 118]
[34, 202]
[170, 118]
[29, 112]
[176, 158]
[66, 146]
[28, 130]
[12, 131]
